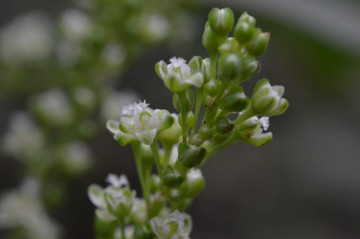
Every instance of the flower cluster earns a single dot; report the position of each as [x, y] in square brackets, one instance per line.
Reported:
[189, 138]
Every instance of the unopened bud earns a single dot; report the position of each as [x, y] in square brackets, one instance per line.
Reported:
[230, 66]
[190, 155]
[236, 100]
[172, 178]
[221, 20]
[224, 125]
[259, 45]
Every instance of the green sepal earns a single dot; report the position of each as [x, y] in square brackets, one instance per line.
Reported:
[212, 87]
[231, 45]
[236, 100]
[259, 45]
[190, 155]
[195, 65]
[244, 32]
[224, 125]
[211, 41]
[172, 178]
[161, 69]
[245, 17]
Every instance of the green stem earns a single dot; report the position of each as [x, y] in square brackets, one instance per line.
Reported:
[140, 170]
[213, 58]
[155, 149]
[199, 100]
[184, 115]
[167, 154]
[213, 149]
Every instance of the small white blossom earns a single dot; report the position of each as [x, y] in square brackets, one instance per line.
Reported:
[155, 27]
[75, 24]
[76, 156]
[24, 139]
[114, 54]
[54, 106]
[264, 121]
[176, 225]
[23, 208]
[27, 38]
[140, 122]
[117, 181]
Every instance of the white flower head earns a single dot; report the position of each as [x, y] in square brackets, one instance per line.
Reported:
[176, 225]
[27, 38]
[177, 75]
[75, 24]
[76, 156]
[24, 139]
[54, 106]
[264, 121]
[155, 27]
[139, 122]
[117, 181]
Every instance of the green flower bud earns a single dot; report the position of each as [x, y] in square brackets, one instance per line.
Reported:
[195, 64]
[251, 65]
[224, 125]
[189, 101]
[266, 99]
[245, 17]
[155, 183]
[172, 134]
[191, 156]
[212, 87]
[230, 66]
[236, 100]
[194, 183]
[231, 45]
[244, 32]
[221, 21]
[190, 120]
[172, 178]
[251, 131]
[259, 45]
[205, 69]
[211, 41]
[205, 132]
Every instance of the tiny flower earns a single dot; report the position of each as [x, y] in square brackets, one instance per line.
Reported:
[116, 181]
[75, 24]
[267, 100]
[139, 123]
[251, 131]
[76, 156]
[177, 75]
[176, 225]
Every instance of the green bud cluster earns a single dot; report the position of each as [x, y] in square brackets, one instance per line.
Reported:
[213, 113]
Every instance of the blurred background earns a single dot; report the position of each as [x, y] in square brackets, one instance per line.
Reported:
[68, 66]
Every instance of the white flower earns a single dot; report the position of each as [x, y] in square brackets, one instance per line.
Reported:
[176, 225]
[264, 121]
[177, 75]
[140, 122]
[26, 38]
[24, 139]
[114, 54]
[54, 106]
[76, 156]
[23, 208]
[75, 24]
[155, 27]
[116, 181]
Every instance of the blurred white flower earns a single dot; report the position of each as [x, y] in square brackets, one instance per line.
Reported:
[23, 208]
[76, 156]
[114, 54]
[264, 121]
[114, 102]
[54, 107]
[85, 97]
[23, 139]
[155, 27]
[26, 38]
[117, 181]
[176, 225]
[67, 52]
[75, 24]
